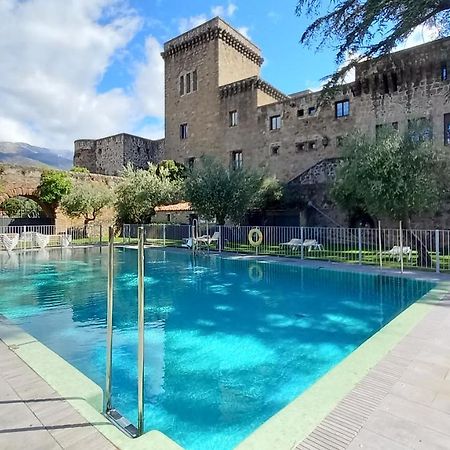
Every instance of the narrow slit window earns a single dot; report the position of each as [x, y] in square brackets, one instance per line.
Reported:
[188, 83]
[194, 81]
[182, 85]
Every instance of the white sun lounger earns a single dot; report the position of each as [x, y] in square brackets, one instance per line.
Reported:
[397, 251]
[9, 241]
[310, 244]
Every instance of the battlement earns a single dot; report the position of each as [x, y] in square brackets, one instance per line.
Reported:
[209, 31]
[251, 83]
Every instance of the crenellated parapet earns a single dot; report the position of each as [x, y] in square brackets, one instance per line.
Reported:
[210, 31]
[248, 84]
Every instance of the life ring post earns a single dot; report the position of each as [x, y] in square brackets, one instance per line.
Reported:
[255, 238]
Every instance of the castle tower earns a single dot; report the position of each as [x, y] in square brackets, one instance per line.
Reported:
[197, 63]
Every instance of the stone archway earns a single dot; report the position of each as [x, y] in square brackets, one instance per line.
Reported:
[30, 193]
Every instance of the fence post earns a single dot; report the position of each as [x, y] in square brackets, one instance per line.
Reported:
[101, 235]
[438, 259]
[360, 245]
[302, 238]
[401, 246]
[379, 244]
[164, 234]
[220, 239]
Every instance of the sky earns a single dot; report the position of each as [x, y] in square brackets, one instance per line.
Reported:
[79, 69]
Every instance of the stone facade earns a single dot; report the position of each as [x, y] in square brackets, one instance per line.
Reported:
[216, 103]
[406, 86]
[109, 155]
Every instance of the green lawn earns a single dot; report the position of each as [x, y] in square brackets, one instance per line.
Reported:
[327, 254]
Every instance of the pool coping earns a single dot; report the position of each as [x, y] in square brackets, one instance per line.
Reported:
[285, 429]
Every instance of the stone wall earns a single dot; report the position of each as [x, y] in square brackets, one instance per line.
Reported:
[109, 155]
[396, 89]
[17, 181]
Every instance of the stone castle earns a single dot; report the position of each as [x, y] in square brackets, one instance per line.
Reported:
[216, 103]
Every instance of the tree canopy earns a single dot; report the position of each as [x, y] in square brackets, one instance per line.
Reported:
[86, 200]
[54, 186]
[141, 191]
[222, 193]
[396, 176]
[369, 28]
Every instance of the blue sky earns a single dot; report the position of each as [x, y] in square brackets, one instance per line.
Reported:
[289, 65]
[74, 69]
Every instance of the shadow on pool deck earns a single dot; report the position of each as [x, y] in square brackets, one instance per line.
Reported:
[33, 415]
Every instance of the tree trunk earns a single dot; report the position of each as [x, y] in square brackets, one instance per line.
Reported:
[424, 258]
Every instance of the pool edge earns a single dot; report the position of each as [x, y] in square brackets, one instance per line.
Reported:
[73, 386]
[299, 418]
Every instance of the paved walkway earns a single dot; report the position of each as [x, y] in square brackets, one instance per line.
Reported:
[34, 417]
[403, 403]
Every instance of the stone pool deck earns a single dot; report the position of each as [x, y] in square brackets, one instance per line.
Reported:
[34, 417]
[403, 402]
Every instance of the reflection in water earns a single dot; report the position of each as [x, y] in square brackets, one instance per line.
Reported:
[229, 342]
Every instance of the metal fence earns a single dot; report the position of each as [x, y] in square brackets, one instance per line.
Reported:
[391, 248]
[45, 236]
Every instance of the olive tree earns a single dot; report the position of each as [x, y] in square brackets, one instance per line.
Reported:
[396, 176]
[222, 193]
[141, 191]
[87, 200]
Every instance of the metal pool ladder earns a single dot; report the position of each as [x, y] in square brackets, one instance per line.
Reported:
[111, 413]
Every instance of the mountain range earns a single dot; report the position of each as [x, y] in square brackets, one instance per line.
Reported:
[29, 155]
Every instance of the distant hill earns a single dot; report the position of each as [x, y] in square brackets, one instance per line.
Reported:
[29, 155]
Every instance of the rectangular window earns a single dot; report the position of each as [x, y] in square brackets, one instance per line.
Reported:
[233, 118]
[312, 145]
[236, 159]
[444, 72]
[275, 122]
[447, 129]
[342, 109]
[194, 80]
[182, 85]
[184, 131]
[311, 110]
[275, 149]
[188, 83]
[169, 217]
[300, 113]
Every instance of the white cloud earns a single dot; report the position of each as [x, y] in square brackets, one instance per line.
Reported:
[224, 11]
[421, 35]
[149, 83]
[53, 55]
[187, 23]
[244, 31]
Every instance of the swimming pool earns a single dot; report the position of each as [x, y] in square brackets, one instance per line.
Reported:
[229, 341]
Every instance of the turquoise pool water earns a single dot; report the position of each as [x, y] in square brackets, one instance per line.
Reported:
[229, 342]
